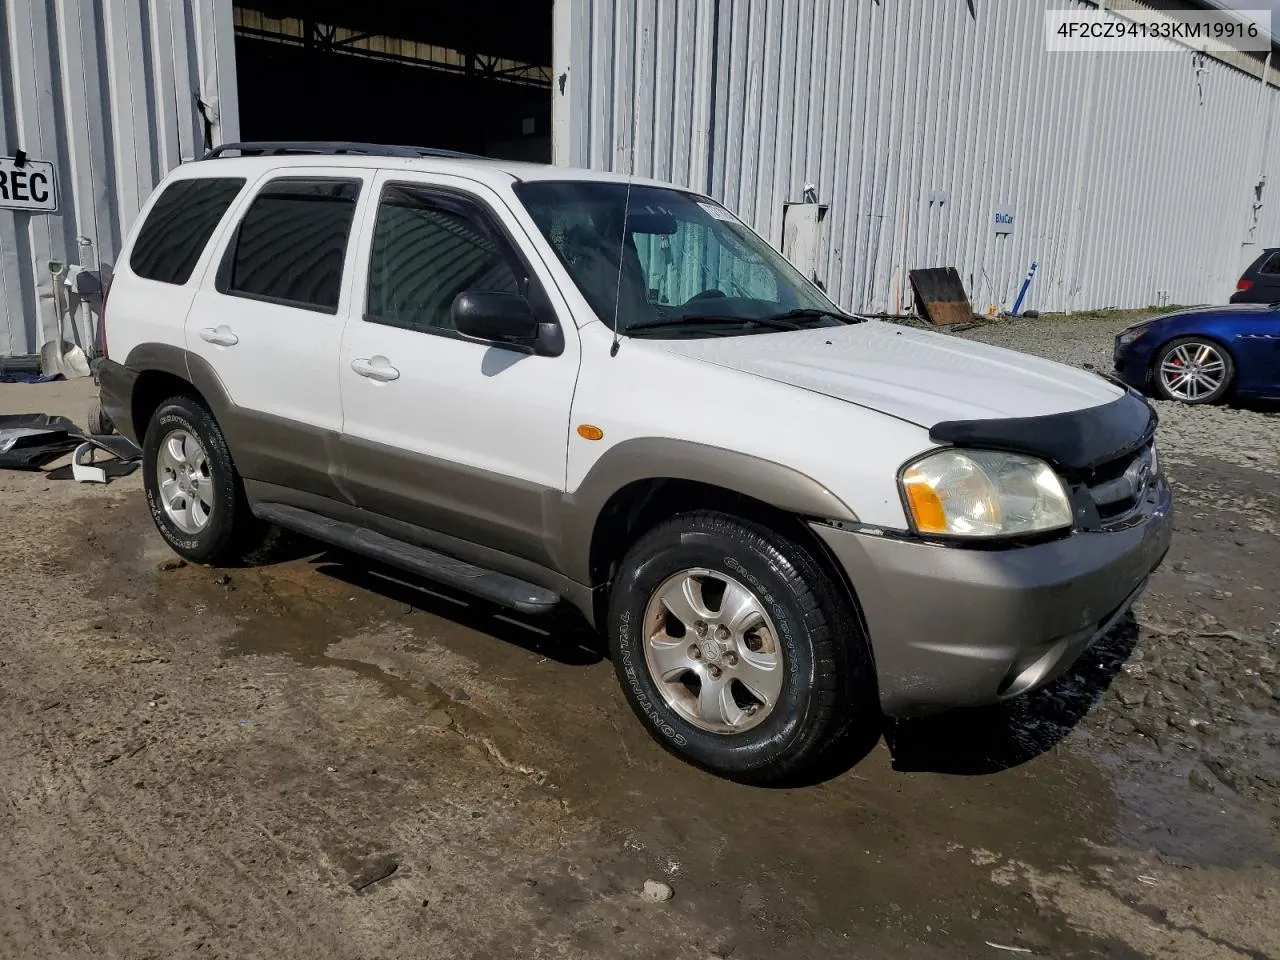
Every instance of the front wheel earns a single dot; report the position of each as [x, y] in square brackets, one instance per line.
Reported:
[738, 651]
[193, 491]
[1193, 370]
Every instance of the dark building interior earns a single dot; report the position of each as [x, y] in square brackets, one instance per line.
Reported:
[472, 76]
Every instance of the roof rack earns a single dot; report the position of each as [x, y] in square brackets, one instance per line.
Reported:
[273, 148]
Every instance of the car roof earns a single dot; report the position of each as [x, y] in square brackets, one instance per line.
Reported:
[487, 170]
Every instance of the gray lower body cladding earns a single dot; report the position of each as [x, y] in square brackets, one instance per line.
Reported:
[958, 626]
[948, 626]
[537, 523]
[488, 584]
[115, 392]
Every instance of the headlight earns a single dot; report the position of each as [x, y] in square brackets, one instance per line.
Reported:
[1127, 337]
[984, 493]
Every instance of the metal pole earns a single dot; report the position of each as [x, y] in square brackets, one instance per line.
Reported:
[1026, 282]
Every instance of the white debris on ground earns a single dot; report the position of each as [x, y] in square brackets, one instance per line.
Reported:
[655, 891]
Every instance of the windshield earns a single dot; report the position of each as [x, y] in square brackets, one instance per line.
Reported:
[682, 267]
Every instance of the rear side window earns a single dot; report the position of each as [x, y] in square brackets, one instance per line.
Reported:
[179, 226]
[427, 249]
[1271, 265]
[292, 241]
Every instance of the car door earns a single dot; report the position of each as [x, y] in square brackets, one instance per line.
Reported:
[268, 322]
[1257, 351]
[460, 436]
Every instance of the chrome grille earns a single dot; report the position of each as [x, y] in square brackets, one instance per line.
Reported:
[1119, 486]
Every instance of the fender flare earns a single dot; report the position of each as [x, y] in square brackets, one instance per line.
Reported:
[660, 458]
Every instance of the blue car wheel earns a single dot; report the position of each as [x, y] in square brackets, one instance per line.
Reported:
[1193, 370]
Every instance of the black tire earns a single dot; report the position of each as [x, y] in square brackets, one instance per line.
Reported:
[1228, 377]
[231, 531]
[98, 422]
[828, 700]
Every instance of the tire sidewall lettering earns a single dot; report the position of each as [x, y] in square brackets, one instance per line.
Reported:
[632, 673]
[635, 672]
[777, 610]
[168, 423]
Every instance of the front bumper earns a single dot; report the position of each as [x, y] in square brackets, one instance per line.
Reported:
[962, 626]
[1132, 365]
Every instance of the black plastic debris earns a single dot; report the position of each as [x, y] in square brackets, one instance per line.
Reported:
[30, 440]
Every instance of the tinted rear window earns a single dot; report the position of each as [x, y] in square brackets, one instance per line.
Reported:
[179, 225]
[1271, 265]
[291, 243]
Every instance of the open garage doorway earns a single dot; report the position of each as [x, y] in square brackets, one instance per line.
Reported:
[470, 75]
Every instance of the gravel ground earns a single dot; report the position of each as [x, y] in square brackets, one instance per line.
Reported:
[1199, 690]
[1244, 437]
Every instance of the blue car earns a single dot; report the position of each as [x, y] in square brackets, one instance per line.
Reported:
[1202, 355]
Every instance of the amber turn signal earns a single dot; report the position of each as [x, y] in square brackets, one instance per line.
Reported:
[926, 506]
[588, 432]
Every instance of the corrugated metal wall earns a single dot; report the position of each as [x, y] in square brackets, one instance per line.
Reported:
[107, 91]
[1132, 175]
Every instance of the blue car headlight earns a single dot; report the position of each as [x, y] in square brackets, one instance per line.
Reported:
[1127, 337]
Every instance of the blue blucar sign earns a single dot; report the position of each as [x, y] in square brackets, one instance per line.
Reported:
[1004, 218]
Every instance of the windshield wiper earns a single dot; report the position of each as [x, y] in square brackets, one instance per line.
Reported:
[773, 323]
[812, 313]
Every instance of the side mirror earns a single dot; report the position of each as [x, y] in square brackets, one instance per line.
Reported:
[500, 317]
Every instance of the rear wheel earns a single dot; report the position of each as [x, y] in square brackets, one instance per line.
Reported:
[193, 491]
[98, 422]
[1193, 370]
[738, 651]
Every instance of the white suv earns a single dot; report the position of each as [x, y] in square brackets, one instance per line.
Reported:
[541, 385]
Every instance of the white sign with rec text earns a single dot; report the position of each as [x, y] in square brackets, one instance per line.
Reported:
[30, 187]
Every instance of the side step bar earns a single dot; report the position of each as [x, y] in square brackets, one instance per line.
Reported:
[487, 584]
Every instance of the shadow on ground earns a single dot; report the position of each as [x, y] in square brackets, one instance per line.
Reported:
[1257, 405]
[111, 469]
[987, 740]
[973, 742]
[563, 636]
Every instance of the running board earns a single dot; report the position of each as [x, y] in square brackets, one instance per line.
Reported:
[487, 584]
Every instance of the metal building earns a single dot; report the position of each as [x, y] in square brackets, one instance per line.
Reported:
[1129, 178]
[1133, 179]
[114, 93]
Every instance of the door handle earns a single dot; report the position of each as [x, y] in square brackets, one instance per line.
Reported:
[375, 368]
[221, 336]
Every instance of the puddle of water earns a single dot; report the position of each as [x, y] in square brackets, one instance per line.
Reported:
[911, 847]
[1209, 826]
[931, 848]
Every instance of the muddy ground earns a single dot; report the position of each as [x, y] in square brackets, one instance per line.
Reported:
[313, 758]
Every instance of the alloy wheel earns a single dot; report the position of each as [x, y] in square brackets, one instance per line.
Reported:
[1193, 371]
[713, 651]
[185, 481]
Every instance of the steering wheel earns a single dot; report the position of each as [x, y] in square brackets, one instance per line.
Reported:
[706, 295]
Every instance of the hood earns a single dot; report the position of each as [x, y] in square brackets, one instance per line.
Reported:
[1228, 310]
[915, 375]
